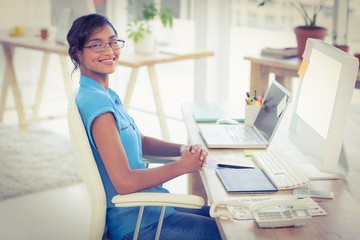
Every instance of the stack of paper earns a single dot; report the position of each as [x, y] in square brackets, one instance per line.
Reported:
[279, 52]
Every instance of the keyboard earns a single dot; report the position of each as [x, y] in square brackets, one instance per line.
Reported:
[279, 169]
[241, 133]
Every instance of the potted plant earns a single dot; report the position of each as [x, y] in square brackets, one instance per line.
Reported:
[310, 29]
[142, 31]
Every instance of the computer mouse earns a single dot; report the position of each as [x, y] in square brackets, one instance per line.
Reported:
[226, 121]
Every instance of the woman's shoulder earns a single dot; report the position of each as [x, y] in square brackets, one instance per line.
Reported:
[91, 95]
[90, 101]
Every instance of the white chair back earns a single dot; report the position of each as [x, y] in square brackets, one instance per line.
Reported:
[89, 170]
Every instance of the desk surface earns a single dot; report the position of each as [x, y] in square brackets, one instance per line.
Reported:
[343, 211]
[290, 63]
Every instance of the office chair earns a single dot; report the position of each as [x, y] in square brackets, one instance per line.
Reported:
[95, 189]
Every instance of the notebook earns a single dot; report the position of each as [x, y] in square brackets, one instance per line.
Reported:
[258, 135]
[246, 180]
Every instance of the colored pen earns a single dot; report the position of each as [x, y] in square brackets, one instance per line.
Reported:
[249, 101]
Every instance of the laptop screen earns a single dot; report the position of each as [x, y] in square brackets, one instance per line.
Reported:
[271, 111]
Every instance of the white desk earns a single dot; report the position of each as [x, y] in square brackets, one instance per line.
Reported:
[343, 211]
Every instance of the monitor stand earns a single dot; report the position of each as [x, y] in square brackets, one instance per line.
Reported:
[314, 174]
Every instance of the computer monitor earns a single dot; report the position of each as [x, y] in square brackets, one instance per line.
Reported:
[324, 94]
[64, 12]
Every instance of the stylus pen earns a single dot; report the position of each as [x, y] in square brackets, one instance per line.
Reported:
[232, 166]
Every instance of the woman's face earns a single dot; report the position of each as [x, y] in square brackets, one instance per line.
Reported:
[97, 65]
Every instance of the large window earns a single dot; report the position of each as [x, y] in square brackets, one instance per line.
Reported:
[252, 28]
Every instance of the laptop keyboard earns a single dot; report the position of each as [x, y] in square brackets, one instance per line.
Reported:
[241, 133]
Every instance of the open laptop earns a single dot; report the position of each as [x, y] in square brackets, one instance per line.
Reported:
[257, 136]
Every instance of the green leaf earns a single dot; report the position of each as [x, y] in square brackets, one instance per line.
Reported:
[149, 11]
[166, 17]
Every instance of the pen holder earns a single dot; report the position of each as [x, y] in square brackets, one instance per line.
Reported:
[251, 112]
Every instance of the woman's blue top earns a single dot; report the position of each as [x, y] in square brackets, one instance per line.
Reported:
[92, 101]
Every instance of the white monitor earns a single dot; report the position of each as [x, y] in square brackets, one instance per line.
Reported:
[317, 127]
[64, 12]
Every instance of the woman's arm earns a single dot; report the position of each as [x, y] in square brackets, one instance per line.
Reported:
[125, 179]
[155, 147]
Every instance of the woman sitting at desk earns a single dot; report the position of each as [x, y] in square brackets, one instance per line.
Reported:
[118, 145]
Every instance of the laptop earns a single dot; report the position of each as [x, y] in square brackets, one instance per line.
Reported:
[258, 135]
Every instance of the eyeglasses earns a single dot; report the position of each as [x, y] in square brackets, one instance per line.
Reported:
[99, 47]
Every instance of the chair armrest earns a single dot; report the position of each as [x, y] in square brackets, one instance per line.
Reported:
[158, 199]
[159, 159]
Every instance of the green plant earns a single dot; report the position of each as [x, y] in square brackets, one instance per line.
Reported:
[309, 16]
[137, 28]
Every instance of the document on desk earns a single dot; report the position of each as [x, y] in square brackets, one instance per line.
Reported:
[245, 180]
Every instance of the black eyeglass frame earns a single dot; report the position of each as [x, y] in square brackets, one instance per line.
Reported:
[110, 44]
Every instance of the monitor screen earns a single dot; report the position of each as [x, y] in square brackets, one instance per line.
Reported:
[64, 12]
[317, 127]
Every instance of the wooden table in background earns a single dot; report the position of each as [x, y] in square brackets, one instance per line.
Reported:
[132, 60]
[9, 44]
[284, 69]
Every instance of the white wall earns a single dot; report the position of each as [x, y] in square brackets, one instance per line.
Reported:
[27, 13]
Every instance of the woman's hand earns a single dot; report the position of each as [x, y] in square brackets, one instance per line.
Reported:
[193, 157]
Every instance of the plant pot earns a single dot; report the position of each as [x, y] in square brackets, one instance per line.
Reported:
[145, 44]
[344, 47]
[357, 55]
[304, 32]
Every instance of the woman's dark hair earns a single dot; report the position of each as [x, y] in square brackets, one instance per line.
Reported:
[80, 32]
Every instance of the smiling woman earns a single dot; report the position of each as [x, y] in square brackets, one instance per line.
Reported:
[118, 146]
[100, 55]
[90, 50]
